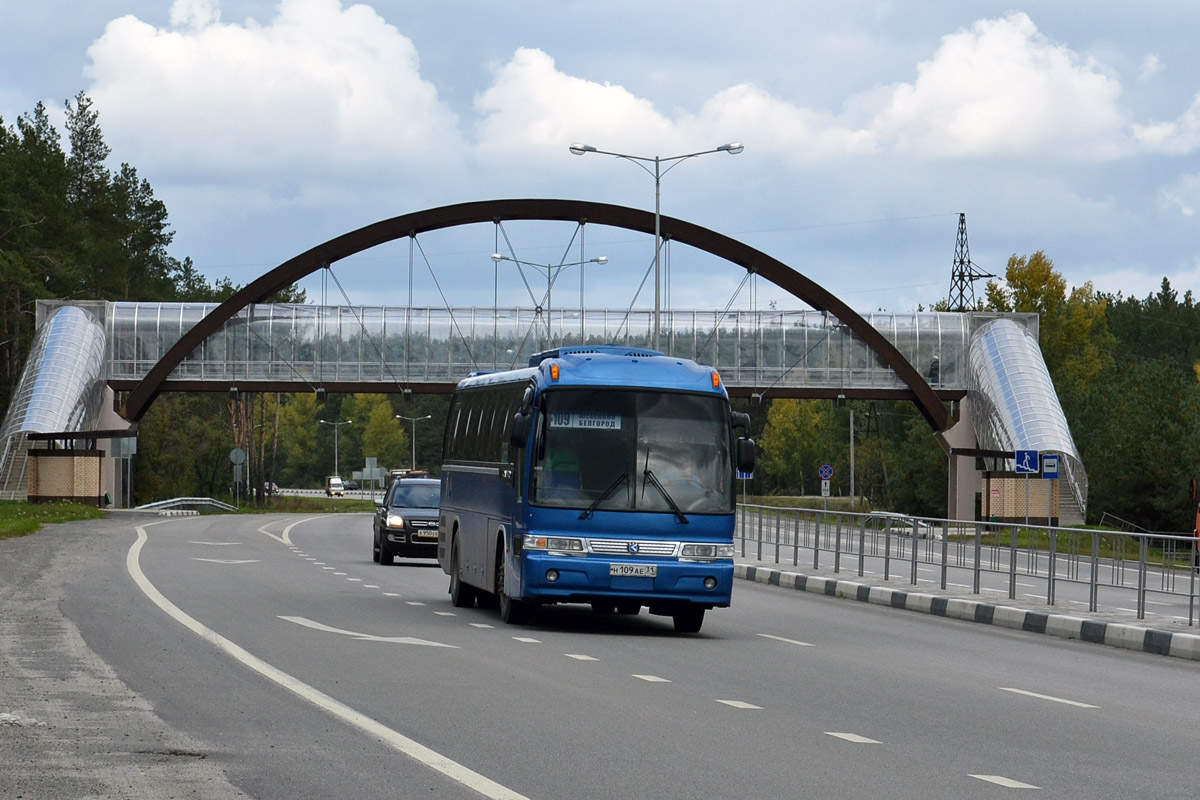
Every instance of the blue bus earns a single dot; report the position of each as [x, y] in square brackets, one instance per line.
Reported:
[601, 475]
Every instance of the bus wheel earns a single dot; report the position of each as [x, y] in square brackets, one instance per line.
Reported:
[626, 607]
[513, 612]
[688, 620]
[461, 595]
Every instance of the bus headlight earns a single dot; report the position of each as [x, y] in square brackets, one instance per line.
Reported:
[558, 545]
[705, 552]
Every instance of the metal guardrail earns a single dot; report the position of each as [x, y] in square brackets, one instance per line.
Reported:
[187, 502]
[1146, 564]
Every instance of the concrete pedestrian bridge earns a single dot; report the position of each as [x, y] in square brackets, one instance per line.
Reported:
[977, 378]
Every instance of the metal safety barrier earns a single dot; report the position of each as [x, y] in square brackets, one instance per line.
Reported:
[1107, 566]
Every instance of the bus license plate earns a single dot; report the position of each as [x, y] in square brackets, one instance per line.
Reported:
[633, 570]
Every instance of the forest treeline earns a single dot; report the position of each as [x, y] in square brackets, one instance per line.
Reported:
[1125, 368]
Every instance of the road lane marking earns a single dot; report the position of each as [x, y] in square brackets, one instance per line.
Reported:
[1007, 783]
[353, 580]
[441, 613]
[228, 560]
[1048, 697]
[370, 586]
[740, 704]
[414, 603]
[366, 637]
[789, 641]
[391, 594]
[852, 737]
[527, 640]
[580, 657]
[481, 625]
[652, 679]
[217, 544]
[410, 747]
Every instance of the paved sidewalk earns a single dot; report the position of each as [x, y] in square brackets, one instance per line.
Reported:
[1154, 634]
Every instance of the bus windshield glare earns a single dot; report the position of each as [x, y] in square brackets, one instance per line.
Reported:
[633, 450]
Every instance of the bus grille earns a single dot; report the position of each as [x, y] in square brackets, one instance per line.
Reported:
[621, 547]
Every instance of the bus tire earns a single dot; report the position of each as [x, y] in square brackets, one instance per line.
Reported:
[688, 620]
[513, 612]
[461, 595]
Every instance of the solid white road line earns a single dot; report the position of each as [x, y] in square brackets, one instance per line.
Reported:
[415, 750]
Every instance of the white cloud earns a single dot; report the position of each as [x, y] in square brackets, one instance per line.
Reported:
[1176, 138]
[1184, 195]
[1151, 66]
[319, 89]
[1003, 89]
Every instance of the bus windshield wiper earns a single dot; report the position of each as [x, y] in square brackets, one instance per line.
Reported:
[670, 500]
[587, 512]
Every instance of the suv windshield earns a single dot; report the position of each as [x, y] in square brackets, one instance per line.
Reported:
[416, 496]
[624, 450]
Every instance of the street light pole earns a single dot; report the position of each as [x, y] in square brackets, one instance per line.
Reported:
[551, 269]
[414, 421]
[335, 425]
[733, 148]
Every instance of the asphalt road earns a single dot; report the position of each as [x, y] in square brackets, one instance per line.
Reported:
[279, 661]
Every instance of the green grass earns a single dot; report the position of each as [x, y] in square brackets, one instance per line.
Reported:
[18, 518]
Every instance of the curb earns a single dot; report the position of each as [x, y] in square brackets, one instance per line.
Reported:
[1114, 634]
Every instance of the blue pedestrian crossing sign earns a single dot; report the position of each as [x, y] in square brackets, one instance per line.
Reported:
[1027, 462]
[1050, 466]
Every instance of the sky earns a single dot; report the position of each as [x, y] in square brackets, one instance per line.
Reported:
[267, 128]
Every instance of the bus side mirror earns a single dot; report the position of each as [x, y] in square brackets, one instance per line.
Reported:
[740, 420]
[746, 453]
[518, 434]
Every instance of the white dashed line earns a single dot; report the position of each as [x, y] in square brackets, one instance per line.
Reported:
[443, 613]
[370, 586]
[414, 603]
[481, 625]
[651, 679]
[789, 641]
[740, 704]
[354, 580]
[391, 594]
[579, 657]
[1048, 697]
[1007, 783]
[527, 640]
[852, 737]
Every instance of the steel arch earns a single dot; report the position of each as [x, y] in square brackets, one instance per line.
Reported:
[348, 244]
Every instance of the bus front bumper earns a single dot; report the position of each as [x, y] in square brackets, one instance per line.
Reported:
[550, 578]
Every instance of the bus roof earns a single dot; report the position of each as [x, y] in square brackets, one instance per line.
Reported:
[608, 365]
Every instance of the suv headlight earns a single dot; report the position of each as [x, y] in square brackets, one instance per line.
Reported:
[705, 552]
[558, 545]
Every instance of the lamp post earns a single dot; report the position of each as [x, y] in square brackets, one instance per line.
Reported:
[335, 425]
[733, 148]
[414, 421]
[551, 271]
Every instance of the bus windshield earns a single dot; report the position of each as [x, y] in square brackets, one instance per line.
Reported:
[627, 450]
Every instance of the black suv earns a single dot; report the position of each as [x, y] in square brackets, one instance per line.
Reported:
[406, 520]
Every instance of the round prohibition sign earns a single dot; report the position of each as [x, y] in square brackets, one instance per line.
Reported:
[826, 472]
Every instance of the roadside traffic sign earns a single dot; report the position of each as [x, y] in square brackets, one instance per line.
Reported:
[1027, 462]
[824, 488]
[826, 472]
[1050, 466]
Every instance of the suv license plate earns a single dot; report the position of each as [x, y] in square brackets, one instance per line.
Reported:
[633, 570]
